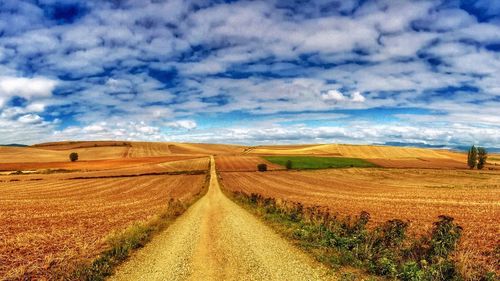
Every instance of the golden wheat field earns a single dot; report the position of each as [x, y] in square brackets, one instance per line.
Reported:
[55, 214]
[49, 225]
[417, 195]
[356, 151]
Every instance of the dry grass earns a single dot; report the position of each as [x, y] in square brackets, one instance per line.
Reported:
[37, 155]
[425, 163]
[50, 223]
[471, 197]
[53, 224]
[358, 151]
[91, 165]
[147, 149]
[137, 149]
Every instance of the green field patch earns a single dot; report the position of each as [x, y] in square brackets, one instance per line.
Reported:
[311, 162]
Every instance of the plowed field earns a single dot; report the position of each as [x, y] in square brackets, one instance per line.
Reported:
[243, 163]
[471, 197]
[51, 224]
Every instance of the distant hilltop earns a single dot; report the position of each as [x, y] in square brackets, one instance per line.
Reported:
[460, 148]
[14, 145]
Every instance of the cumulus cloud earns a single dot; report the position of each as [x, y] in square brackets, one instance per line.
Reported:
[142, 64]
[30, 119]
[357, 97]
[183, 124]
[358, 133]
[333, 95]
[337, 96]
[25, 87]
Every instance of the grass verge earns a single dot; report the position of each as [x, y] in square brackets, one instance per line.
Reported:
[311, 162]
[120, 245]
[385, 251]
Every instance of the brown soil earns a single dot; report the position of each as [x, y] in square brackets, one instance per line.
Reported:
[243, 163]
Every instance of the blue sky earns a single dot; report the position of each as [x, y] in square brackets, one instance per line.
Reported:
[251, 72]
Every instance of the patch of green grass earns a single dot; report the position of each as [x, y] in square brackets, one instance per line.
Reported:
[494, 159]
[311, 162]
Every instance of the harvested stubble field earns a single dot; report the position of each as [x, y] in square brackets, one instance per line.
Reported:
[420, 196]
[51, 225]
[384, 156]
[37, 155]
[355, 151]
[243, 163]
[422, 163]
[154, 166]
[92, 165]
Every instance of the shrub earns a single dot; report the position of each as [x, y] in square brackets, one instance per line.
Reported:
[288, 164]
[411, 272]
[73, 156]
[445, 237]
[262, 167]
[384, 266]
[392, 233]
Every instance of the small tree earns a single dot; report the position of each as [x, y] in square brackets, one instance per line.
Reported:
[262, 167]
[472, 157]
[288, 164]
[482, 155]
[73, 156]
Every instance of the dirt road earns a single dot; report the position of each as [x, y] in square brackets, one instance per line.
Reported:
[218, 240]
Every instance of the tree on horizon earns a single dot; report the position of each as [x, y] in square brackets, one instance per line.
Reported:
[472, 157]
[482, 155]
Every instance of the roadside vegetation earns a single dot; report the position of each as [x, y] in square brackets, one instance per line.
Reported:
[311, 162]
[387, 250]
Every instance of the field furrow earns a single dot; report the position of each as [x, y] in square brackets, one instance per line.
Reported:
[57, 223]
[419, 196]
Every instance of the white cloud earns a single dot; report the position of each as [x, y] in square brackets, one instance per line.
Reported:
[109, 131]
[357, 97]
[333, 95]
[151, 63]
[25, 87]
[30, 119]
[357, 132]
[183, 124]
[95, 128]
[36, 107]
[337, 96]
